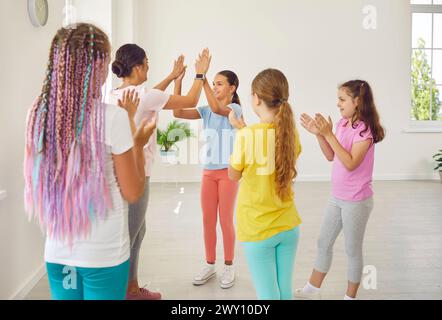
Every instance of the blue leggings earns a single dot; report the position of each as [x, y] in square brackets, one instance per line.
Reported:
[271, 264]
[75, 283]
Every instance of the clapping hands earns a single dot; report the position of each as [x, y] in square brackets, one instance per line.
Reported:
[317, 126]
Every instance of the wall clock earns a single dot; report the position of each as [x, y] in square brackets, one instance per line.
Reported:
[38, 12]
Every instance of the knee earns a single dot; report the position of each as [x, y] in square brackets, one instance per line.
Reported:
[227, 226]
[353, 252]
[209, 223]
[324, 245]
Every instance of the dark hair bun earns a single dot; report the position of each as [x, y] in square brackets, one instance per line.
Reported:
[120, 69]
[127, 57]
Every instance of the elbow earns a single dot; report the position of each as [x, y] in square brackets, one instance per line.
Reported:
[191, 102]
[135, 195]
[194, 102]
[350, 167]
[330, 157]
[132, 198]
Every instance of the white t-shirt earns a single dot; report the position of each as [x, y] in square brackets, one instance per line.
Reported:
[108, 244]
[152, 101]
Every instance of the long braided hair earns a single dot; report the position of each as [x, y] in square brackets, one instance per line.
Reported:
[65, 185]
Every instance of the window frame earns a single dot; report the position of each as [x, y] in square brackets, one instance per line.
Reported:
[424, 126]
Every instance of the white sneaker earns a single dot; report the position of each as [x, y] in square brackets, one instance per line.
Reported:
[300, 294]
[227, 279]
[204, 275]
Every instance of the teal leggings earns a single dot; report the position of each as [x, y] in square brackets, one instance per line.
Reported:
[271, 264]
[75, 283]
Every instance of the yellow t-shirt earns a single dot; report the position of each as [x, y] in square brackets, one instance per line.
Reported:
[260, 213]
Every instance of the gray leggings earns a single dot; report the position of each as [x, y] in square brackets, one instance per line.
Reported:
[137, 230]
[352, 217]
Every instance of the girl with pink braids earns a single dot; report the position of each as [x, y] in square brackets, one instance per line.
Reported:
[84, 162]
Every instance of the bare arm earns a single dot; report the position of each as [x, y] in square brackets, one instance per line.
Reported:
[351, 160]
[187, 114]
[186, 102]
[326, 148]
[178, 69]
[213, 102]
[163, 85]
[192, 98]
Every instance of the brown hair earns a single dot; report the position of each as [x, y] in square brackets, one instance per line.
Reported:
[233, 80]
[366, 110]
[272, 87]
[127, 57]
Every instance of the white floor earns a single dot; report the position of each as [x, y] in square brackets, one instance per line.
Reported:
[403, 242]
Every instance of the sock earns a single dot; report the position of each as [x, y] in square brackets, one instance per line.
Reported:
[348, 298]
[309, 288]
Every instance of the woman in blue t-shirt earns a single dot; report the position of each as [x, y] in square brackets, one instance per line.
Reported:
[218, 192]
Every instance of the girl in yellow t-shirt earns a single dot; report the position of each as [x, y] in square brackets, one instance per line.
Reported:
[264, 159]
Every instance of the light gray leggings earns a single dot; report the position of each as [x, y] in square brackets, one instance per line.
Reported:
[137, 230]
[352, 217]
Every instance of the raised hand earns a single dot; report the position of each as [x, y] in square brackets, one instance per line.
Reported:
[129, 102]
[178, 67]
[309, 124]
[203, 62]
[144, 132]
[325, 127]
[181, 76]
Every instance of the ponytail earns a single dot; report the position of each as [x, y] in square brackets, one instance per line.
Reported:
[285, 150]
[235, 98]
[272, 87]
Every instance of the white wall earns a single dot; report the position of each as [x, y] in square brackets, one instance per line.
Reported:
[317, 44]
[24, 54]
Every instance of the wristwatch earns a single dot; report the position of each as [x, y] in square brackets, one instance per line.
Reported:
[200, 76]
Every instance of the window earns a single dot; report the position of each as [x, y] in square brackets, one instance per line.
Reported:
[426, 68]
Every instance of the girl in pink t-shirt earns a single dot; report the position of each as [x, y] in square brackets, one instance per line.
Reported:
[351, 149]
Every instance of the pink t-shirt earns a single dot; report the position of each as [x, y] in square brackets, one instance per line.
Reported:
[152, 101]
[353, 185]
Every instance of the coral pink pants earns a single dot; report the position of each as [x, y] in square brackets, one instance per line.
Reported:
[218, 193]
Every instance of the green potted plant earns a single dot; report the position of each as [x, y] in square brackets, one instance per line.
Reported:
[175, 132]
[438, 158]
